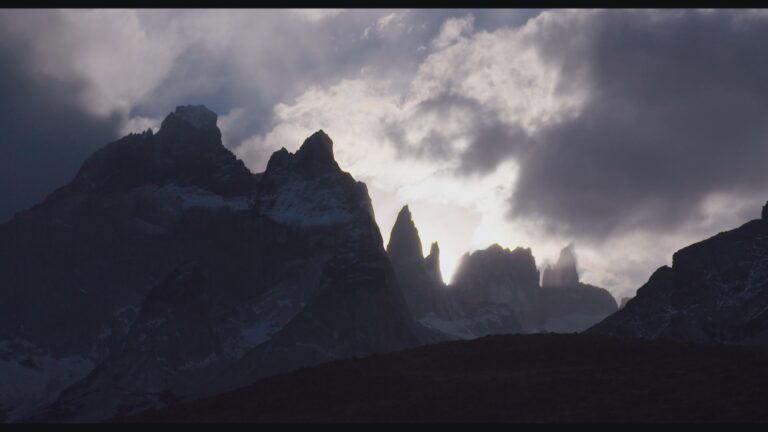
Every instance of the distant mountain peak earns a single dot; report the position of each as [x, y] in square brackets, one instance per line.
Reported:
[314, 157]
[496, 248]
[432, 262]
[316, 153]
[567, 259]
[198, 116]
[186, 151]
[434, 249]
[565, 272]
[404, 240]
[279, 159]
[497, 258]
[404, 215]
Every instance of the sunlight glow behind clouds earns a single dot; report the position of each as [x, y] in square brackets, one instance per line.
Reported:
[447, 111]
[357, 114]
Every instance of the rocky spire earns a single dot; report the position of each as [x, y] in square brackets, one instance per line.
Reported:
[764, 215]
[565, 272]
[316, 154]
[404, 241]
[314, 157]
[432, 262]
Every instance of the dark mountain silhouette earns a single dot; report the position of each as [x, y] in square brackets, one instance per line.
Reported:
[715, 292]
[495, 291]
[512, 378]
[432, 262]
[475, 305]
[570, 305]
[425, 288]
[564, 273]
[166, 270]
[497, 279]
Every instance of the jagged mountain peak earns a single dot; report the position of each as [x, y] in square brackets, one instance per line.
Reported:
[197, 116]
[186, 151]
[319, 140]
[432, 261]
[567, 256]
[279, 159]
[434, 249]
[314, 157]
[404, 240]
[496, 258]
[171, 230]
[497, 250]
[404, 214]
[316, 153]
[564, 272]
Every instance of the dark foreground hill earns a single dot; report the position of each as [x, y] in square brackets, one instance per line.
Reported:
[510, 378]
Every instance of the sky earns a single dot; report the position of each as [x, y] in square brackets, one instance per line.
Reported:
[631, 133]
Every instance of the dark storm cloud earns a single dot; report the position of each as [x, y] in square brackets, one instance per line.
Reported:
[491, 139]
[491, 144]
[44, 134]
[677, 111]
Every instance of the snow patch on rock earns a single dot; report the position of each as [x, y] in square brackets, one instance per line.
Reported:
[303, 203]
[187, 197]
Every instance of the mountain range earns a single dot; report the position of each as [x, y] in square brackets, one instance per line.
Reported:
[166, 271]
[494, 290]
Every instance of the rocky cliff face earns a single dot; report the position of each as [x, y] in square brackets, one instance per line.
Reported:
[420, 278]
[165, 267]
[495, 291]
[491, 293]
[715, 291]
[564, 273]
[498, 279]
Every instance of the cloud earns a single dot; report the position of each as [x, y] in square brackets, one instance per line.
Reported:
[633, 133]
[315, 15]
[452, 30]
[107, 50]
[675, 114]
[358, 115]
[76, 79]
[42, 124]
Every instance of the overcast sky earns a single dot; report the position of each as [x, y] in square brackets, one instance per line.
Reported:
[631, 133]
